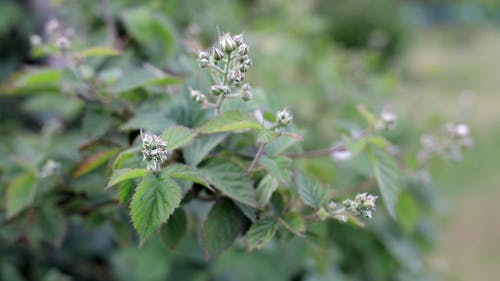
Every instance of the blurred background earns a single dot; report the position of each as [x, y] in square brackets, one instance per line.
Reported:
[431, 61]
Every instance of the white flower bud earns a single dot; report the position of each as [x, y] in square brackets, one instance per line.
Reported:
[462, 130]
[218, 54]
[63, 43]
[52, 26]
[284, 117]
[154, 151]
[218, 90]
[243, 49]
[50, 168]
[238, 39]
[387, 121]
[237, 76]
[197, 96]
[227, 43]
[35, 40]
[203, 59]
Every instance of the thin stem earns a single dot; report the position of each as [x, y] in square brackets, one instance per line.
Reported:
[317, 153]
[256, 159]
[224, 82]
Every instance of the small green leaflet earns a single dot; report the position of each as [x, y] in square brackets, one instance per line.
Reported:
[184, 172]
[195, 152]
[155, 199]
[221, 228]
[231, 180]
[311, 192]
[261, 233]
[229, 121]
[265, 189]
[121, 175]
[178, 136]
[20, 194]
[386, 172]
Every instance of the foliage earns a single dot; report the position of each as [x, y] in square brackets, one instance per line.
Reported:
[135, 164]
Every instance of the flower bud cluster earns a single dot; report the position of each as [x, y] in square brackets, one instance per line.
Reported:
[228, 61]
[154, 151]
[56, 35]
[387, 121]
[449, 144]
[50, 168]
[284, 117]
[362, 205]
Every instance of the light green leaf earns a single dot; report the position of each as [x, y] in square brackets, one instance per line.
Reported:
[311, 192]
[178, 136]
[228, 121]
[155, 199]
[100, 51]
[265, 189]
[267, 136]
[231, 180]
[221, 228]
[173, 231]
[295, 223]
[20, 194]
[151, 121]
[130, 157]
[370, 117]
[52, 224]
[34, 81]
[195, 152]
[386, 172]
[126, 190]
[279, 145]
[279, 167]
[94, 161]
[408, 211]
[142, 78]
[125, 174]
[261, 233]
[184, 172]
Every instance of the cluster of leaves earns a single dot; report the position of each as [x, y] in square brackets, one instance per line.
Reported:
[231, 182]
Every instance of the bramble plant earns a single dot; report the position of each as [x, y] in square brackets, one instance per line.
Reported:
[210, 164]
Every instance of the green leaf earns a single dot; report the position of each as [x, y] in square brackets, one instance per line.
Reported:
[231, 180]
[200, 147]
[184, 172]
[20, 194]
[100, 51]
[370, 117]
[125, 174]
[408, 211]
[34, 81]
[267, 136]
[178, 136]
[295, 223]
[142, 78]
[229, 121]
[52, 224]
[265, 189]
[279, 167]
[173, 231]
[386, 172]
[126, 190]
[155, 199]
[151, 121]
[311, 192]
[279, 145]
[261, 233]
[130, 157]
[221, 228]
[94, 162]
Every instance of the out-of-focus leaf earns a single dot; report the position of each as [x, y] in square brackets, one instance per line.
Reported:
[370, 117]
[66, 107]
[230, 121]
[261, 233]
[279, 167]
[121, 175]
[34, 81]
[52, 224]
[130, 157]
[155, 199]
[100, 51]
[386, 172]
[94, 161]
[265, 189]
[295, 223]
[152, 121]
[231, 180]
[195, 152]
[20, 194]
[311, 191]
[408, 211]
[221, 228]
[142, 78]
[178, 136]
[173, 231]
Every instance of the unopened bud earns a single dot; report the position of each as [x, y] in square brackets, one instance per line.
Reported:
[237, 76]
[238, 39]
[243, 49]
[227, 43]
[284, 117]
[218, 54]
[203, 59]
[35, 40]
[52, 26]
[246, 95]
[218, 90]
[197, 96]
[63, 43]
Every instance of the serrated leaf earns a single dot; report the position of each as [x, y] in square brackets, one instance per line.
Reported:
[195, 152]
[184, 172]
[52, 224]
[100, 51]
[20, 194]
[155, 199]
[311, 192]
[295, 223]
[265, 189]
[261, 233]
[126, 190]
[386, 171]
[173, 231]
[221, 228]
[279, 167]
[231, 180]
[130, 157]
[178, 136]
[142, 78]
[125, 174]
[230, 121]
[94, 161]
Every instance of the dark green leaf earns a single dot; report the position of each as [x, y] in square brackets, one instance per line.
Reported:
[173, 231]
[52, 224]
[386, 172]
[261, 233]
[311, 192]
[221, 228]
[20, 194]
[155, 199]
[230, 121]
[231, 180]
